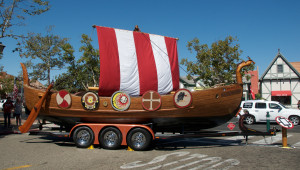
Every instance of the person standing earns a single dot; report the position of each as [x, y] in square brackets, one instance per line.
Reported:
[18, 112]
[7, 107]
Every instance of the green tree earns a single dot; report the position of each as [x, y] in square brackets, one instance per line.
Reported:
[83, 73]
[49, 52]
[90, 61]
[216, 64]
[7, 84]
[14, 12]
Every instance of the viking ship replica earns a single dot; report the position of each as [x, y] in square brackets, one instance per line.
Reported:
[139, 84]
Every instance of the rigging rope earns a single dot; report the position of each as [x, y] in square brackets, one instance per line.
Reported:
[93, 30]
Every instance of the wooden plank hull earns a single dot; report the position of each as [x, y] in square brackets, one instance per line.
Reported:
[209, 108]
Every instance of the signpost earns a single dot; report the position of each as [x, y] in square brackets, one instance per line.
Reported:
[268, 121]
[285, 124]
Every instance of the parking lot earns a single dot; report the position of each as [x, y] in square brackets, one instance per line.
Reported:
[51, 152]
[42, 151]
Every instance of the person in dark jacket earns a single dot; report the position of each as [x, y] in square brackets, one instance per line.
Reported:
[18, 112]
[7, 108]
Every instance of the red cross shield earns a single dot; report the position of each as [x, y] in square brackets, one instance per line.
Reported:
[151, 100]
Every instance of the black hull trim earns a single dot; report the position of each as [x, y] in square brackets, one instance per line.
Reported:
[158, 124]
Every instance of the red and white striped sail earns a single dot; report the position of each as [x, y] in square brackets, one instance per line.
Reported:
[136, 62]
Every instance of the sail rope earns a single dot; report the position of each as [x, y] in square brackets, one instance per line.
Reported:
[92, 32]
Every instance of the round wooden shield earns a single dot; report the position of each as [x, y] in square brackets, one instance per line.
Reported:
[90, 101]
[151, 100]
[63, 99]
[120, 101]
[182, 98]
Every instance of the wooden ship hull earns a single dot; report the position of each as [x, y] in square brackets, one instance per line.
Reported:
[209, 108]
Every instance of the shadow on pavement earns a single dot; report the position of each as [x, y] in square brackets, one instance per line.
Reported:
[203, 142]
[13, 129]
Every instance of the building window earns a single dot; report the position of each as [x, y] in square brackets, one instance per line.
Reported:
[279, 68]
[285, 100]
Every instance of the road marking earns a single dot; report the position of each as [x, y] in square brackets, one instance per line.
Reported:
[19, 167]
[297, 145]
[231, 162]
[271, 139]
[157, 159]
[210, 160]
[197, 161]
[181, 160]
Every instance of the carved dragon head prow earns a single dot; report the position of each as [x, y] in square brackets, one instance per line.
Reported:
[239, 68]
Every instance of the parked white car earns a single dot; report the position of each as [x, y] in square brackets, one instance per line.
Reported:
[256, 111]
[2, 101]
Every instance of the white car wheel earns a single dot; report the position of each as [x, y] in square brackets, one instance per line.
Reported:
[249, 119]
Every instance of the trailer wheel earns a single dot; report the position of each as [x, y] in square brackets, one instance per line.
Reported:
[139, 139]
[110, 138]
[83, 137]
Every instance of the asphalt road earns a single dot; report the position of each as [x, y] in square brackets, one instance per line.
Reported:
[20, 151]
[48, 152]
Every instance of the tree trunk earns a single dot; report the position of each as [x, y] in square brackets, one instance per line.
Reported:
[48, 76]
[49, 67]
[7, 19]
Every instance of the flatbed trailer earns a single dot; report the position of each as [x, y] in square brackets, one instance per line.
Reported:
[112, 136]
[138, 137]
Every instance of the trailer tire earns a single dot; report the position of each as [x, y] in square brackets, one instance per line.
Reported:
[139, 139]
[110, 138]
[83, 137]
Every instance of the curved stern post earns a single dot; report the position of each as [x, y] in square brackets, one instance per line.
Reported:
[239, 68]
[35, 111]
[37, 107]
[25, 74]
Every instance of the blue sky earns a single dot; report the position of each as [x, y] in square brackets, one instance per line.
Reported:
[262, 26]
